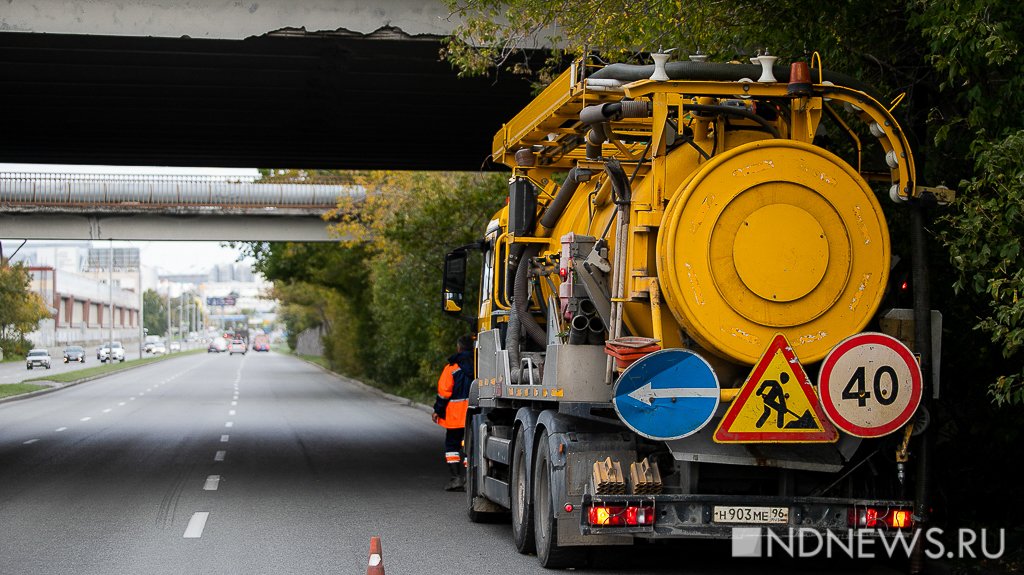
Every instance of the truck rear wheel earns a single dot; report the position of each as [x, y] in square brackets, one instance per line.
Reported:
[545, 527]
[481, 510]
[522, 504]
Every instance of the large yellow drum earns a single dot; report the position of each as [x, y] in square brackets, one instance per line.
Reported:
[773, 236]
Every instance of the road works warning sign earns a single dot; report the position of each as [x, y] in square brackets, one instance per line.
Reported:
[777, 404]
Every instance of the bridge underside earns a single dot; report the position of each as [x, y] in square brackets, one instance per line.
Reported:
[345, 101]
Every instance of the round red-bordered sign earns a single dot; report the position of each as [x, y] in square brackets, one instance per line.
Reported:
[870, 385]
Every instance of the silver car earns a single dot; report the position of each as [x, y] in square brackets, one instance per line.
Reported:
[37, 358]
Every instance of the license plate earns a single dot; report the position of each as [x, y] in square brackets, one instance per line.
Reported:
[748, 514]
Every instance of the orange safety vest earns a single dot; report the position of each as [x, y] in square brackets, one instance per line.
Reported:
[455, 414]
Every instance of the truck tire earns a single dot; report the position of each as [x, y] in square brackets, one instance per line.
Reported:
[545, 529]
[473, 497]
[522, 503]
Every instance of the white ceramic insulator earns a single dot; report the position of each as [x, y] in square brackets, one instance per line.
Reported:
[659, 74]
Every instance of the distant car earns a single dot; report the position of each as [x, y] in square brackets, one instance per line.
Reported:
[175, 346]
[237, 346]
[261, 343]
[150, 342]
[217, 344]
[37, 358]
[74, 353]
[113, 351]
[159, 348]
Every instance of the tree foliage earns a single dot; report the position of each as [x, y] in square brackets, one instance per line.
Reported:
[20, 309]
[376, 293]
[154, 313]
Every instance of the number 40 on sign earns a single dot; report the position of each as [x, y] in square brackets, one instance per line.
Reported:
[870, 385]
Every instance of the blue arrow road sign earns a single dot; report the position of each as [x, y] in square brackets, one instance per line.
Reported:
[668, 394]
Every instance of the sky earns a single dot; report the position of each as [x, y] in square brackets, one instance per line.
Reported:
[172, 257]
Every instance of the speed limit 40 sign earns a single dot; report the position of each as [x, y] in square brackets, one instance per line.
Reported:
[870, 385]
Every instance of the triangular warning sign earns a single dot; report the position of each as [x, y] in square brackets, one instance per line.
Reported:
[777, 404]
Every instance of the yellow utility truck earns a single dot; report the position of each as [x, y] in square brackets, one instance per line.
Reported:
[683, 326]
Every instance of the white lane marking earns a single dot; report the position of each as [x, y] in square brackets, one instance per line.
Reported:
[141, 394]
[234, 403]
[231, 412]
[107, 410]
[224, 438]
[59, 429]
[196, 525]
[31, 441]
[149, 389]
[229, 424]
[212, 482]
[121, 403]
[131, 399]
[85, 419]
[219, 456]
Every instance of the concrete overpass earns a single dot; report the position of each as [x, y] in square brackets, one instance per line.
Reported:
[154, 207]
[255, 83]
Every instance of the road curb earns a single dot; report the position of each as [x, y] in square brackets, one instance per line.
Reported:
[364, 386]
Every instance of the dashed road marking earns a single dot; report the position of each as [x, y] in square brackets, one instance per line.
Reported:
[219, 456]
[196, 525]
[121, 403]
[234, 403]
[85, 419]
[107, 410]
[31, 441]
[229, 424]
[231, 412]
[224, 438]
[59, 429]
[212, 483]
[131, 399]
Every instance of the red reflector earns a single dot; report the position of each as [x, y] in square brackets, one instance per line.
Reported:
[568, 507]
[904, 286]
[563, 273]
[871, 517]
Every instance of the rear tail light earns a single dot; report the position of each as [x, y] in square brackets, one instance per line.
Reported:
[875, 517]
[620, 515]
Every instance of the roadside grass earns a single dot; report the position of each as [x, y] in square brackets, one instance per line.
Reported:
[7, 390]
[71, 376]
[319, 360]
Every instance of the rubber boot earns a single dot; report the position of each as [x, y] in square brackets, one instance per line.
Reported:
[458, 480]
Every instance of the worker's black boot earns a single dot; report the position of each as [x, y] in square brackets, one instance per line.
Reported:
[458, 480]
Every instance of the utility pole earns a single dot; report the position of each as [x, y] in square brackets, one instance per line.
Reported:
[168, 310]
[110, 282]
[138, 316]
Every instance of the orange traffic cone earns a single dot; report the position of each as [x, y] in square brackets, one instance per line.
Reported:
[375, 565]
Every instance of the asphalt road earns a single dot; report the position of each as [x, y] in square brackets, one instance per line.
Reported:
[258, 464]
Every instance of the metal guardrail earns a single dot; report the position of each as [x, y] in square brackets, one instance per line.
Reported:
[159, 191]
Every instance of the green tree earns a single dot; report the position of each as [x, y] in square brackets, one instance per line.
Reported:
[20, 309]
[154, 313]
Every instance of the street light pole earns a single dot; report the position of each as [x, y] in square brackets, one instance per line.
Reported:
[110, 282]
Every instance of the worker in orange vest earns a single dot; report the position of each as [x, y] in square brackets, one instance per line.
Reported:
[450, 408]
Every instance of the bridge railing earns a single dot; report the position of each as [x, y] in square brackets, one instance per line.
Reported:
[161, 192]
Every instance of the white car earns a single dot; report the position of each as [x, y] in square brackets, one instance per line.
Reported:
[113, 351]
[159, 348]
[37, 358]
[175, 346]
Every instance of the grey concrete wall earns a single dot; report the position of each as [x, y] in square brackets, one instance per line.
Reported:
[227, 19]
[310, 342]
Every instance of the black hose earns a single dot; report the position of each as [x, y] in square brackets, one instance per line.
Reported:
[520, 310]
[573, 179]
[521, 300]
[734, 111]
